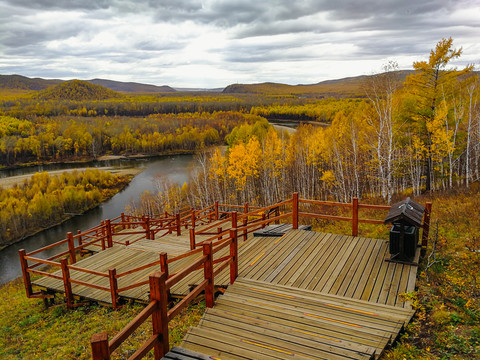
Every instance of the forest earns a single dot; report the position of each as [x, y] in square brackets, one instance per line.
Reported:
[45, 200]
[66, 138]
[403, 139]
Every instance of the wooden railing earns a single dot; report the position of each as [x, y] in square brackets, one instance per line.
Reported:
[160, 284]
[245, 222]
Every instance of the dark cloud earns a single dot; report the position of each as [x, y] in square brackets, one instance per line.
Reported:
[61, 4]
[177, 38]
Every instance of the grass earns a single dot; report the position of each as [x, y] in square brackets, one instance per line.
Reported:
[29, 331]
[446, 326]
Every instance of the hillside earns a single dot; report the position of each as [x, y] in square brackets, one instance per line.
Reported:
[77, 90]
[19, 82]
[131, 87]
[346, 87]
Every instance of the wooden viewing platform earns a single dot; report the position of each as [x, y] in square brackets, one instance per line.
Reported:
[301, 295]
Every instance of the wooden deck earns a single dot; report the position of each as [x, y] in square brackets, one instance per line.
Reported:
[308, 295]
[259, 320]
[351, 267]
[278, 230]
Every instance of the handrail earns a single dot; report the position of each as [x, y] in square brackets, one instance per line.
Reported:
[160, 283]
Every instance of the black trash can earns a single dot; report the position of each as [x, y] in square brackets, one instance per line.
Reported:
[406, 217]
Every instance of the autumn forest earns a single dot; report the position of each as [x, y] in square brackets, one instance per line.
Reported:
[379, 138]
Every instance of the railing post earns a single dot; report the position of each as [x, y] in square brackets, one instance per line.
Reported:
[179, 229]
[108, 228]
[234, 219]
[158, 292]
[245, 221]
[208, 274]
[193, 218]
[112, 275]
[102, 224]
[66, 283]
[152, 235]
[277, 214]
[192, 239]
[147, 227]
[26, 275]
[355, 216]
[295, 211]
[219, 231]
[216, 210]
[71, 248]
[264, 217]
[245, 231]
[233, 255]
[426, 226]
[99, 344]
[79, 237]
[164, 269]
[123, 220]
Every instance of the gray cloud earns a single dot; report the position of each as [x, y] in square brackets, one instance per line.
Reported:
[214, 40]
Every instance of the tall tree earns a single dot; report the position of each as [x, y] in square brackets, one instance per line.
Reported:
[380, 90]
[429, 85]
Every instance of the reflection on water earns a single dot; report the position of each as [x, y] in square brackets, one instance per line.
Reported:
[175, 168]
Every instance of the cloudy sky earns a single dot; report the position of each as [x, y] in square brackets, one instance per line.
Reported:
[213, 43]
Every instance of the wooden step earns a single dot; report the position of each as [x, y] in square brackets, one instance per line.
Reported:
[178, 353]
[382, 310]
[255, 320]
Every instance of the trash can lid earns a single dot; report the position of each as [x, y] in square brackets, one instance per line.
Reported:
[406, 210]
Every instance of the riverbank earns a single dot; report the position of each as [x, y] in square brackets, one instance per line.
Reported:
[9, 182]
[89, 160]
[30, 229]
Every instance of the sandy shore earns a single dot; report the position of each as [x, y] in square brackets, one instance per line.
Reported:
[8, 182]
[284, 128]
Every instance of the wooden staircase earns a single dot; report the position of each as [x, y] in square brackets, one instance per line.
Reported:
[258, 320]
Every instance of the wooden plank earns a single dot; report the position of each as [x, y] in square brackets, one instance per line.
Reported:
[314, 263]
[336, 267]
[178, 353]
[339, 242]
[373, 258]
[300, 261]
[374, 307]
[284, 338]
[351, 314]
[293, 251]
[217, 318]
[319, 242]
[232, 347]
[364, 256]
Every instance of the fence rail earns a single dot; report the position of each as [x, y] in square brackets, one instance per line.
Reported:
[223, 233]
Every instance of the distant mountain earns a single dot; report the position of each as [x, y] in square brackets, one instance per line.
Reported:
[77, 90]
[346, 87]
[131, 87]
[19, 82]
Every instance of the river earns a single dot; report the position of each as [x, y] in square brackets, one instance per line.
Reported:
[175, 168]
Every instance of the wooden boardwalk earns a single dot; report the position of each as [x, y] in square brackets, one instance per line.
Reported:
[258, 320]
[307, 295]
[346, 266]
